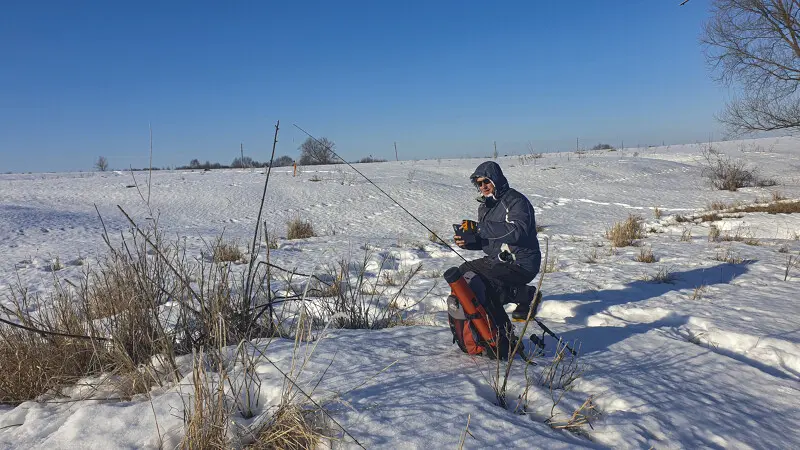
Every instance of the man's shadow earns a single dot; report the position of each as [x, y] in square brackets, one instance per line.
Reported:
[596, 301]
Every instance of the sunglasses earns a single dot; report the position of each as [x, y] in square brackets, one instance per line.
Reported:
[480, 183]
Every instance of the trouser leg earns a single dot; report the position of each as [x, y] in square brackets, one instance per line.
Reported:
[499, 277]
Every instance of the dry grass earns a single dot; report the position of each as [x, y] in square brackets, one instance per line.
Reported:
[728, 256]
[645, 256]
[299, 229]
[686, 235]
[55, 265]
[712, 217]
[120, 299]
[551, 265]
[713, 233]
[357, 302]
[739, 237]
[227, 252]
[698, 292]
[435, 239]
[272, 241]
[663, 275]
[291, 427]
[583, 416]
[390, 279]
[34, 364]
[791, 261]
[718, 206]
[206, 424]
[592, 257]
[657, 213]
[624, 234]
[119, 291]
[781, 207]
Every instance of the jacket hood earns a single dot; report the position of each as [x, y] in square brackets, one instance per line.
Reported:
[492, 171]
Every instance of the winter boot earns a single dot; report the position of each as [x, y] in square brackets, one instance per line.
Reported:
[524, 298]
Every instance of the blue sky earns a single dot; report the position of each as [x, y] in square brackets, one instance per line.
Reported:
[440, 78]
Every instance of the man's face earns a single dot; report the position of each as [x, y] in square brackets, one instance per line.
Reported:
[485, 185]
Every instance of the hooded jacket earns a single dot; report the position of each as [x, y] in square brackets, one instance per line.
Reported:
[506, 221]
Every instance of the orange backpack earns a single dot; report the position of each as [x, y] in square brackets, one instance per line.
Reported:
[473, 329]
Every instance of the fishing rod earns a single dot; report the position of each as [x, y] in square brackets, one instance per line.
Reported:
[469, 263]
[441, 241]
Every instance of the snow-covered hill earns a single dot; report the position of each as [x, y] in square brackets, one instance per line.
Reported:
[708, 357]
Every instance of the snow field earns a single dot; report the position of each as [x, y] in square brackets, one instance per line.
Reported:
[708, 358]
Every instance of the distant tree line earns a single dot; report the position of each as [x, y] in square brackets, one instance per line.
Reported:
[238, 163]
[312, 152]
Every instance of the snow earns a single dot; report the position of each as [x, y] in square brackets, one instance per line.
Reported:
[710, 358]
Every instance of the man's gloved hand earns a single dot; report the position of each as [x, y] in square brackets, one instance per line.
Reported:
[469, 226]
[466, 233]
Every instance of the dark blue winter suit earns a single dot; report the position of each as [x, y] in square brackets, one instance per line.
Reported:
[506, 232]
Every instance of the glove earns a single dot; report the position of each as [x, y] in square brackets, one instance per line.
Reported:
[461, 232]
[469, 226]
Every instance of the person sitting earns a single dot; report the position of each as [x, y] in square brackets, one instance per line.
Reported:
[506, 232]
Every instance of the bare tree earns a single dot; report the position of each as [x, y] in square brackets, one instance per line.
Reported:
[101, 164]
[317, 152]
[755, 44]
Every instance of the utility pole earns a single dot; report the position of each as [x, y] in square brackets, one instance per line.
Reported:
[241, 150]
[396, 158]
[495, 149]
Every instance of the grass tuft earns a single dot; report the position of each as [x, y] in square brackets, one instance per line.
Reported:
[227, 252]
[646, 256]
[624, 234]
[291, 427]
[299, 229]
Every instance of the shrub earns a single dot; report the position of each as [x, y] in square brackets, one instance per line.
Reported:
[299, 229]
[624, 234]
[603, 147]
[724, 173]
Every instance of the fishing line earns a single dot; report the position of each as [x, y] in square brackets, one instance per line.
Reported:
[469, 263]
[441, 241]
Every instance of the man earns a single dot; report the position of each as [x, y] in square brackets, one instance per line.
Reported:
[506, 232]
